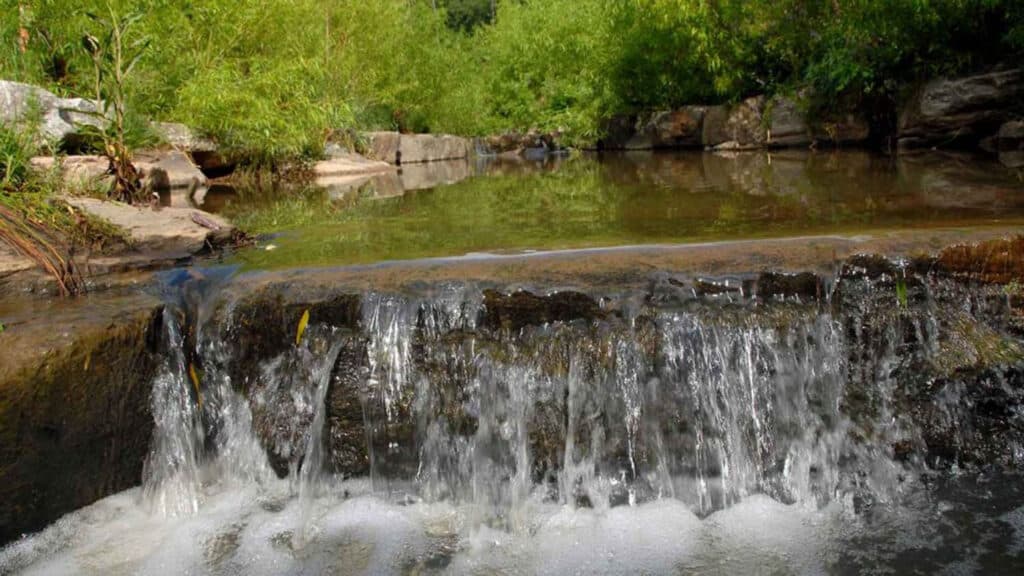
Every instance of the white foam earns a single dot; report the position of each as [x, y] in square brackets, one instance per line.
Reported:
[248, 530]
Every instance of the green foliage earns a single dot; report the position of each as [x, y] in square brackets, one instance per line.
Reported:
[271, 78]
[16, 151]
[467, 15]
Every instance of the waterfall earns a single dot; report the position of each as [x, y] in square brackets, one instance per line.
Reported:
[312, 465]
[703, 405]
[171, 480]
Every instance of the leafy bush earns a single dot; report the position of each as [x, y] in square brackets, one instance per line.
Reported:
[270, 78]
[16, 151]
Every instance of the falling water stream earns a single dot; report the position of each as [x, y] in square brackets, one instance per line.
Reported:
[659, 438]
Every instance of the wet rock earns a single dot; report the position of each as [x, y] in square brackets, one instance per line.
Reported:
[1011, 135]
[519, 309]
[263, 325]
[167, 231]
[869, 266]
[975, 417]
[957, 112]
[803, 285]
[61, 117]
[75, 421]
[346, 436]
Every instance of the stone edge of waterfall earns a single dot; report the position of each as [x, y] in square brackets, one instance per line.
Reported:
[75, 421]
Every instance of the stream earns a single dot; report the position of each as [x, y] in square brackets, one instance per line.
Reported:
[495, 376]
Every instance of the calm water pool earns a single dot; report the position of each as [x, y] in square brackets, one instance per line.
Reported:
[615, 200]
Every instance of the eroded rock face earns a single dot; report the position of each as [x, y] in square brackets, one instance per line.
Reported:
[961, 111]
[75, 419]
[669, 129]
[736, 127]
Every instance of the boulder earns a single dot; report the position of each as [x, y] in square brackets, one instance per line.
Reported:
[414, 148]
[160, 170]
[739, 127]
[532, 144]
[679, 128]
[960, 111]
[384, 146]
[849, 128]
[787, 126]
[349, 165]
[61, 117]
[205, 154]
[79, 172]
[1012, 158]
[169, 169]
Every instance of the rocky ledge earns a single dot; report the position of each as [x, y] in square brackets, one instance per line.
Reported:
[937, 338]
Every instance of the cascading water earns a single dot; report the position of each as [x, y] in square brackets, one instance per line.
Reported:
[171, 480]
[667, 437]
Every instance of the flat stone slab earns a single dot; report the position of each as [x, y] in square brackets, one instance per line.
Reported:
[350, 165]
[175, 231]
[160, 169]
[12, 262]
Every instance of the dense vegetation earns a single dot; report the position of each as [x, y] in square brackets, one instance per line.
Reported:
[274, 78]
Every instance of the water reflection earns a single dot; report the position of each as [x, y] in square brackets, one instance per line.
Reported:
[501, 205]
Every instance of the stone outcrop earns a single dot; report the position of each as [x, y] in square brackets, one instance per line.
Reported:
[169, 169]
[204, 152]
[532, 145]
[177, 232]
[61, 117]
[961, 112]
[736, 127]
[667, 129]
[397, 149]
[751, 124]
[417, 148]
[349, 165]
[75, 421]
[159, 169]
